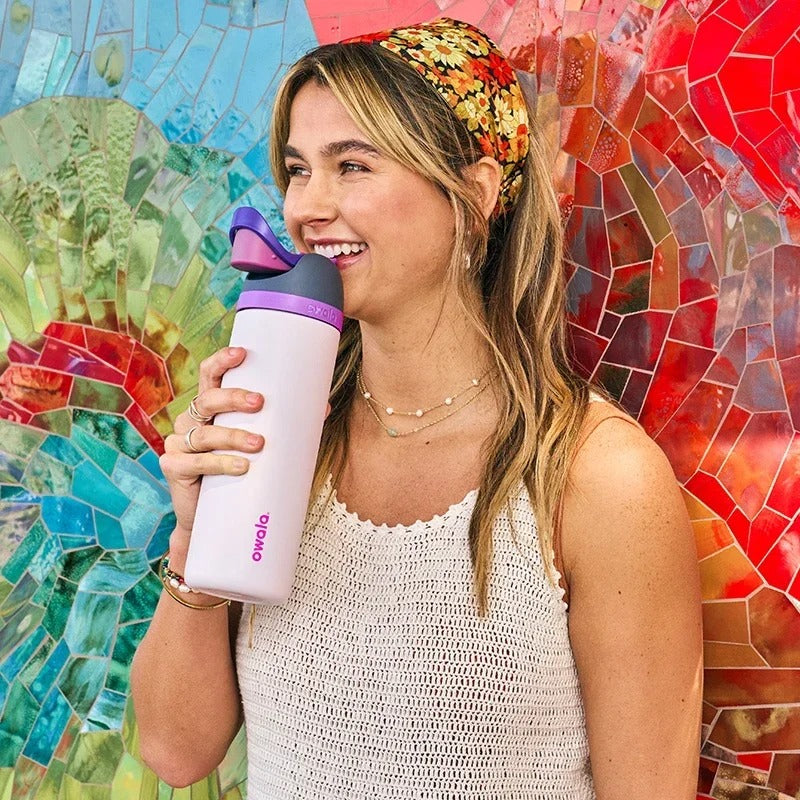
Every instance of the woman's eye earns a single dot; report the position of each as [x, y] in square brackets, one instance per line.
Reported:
[295, 170]
[352, 166]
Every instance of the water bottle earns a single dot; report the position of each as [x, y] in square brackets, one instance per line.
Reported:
[247, 529]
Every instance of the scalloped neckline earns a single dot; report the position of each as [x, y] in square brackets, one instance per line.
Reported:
[367, 524]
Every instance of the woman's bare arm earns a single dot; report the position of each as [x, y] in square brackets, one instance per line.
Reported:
[635, 621]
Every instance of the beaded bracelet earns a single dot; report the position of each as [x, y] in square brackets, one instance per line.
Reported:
[172, 580]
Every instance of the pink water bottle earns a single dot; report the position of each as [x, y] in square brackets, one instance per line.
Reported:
[247, 529]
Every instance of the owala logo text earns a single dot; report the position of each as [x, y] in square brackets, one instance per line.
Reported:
[261, 534]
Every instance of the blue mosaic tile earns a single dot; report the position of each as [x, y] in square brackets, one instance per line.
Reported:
[215, 15]
[149, 460]
[67, 515]
[115, 15]
[166, 63]
[91, 485]
[45, 559]
[50, 671]
[91, 620]
[33, 72]
[270, 11]
[140, 24]
[162, 27]
[115, 573]
[190, 14]
[139, 524]
[54, 16]
[298, 34]
[159, 542]
[16, 31]
[261, 63]
[49, 728]
[107, 712]
[191, 69]
[109, 532]
[243, 13]
[61, 449]
[18, 658]
[81, 682]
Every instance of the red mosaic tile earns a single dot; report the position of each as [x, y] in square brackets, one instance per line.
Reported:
[785, 774]
[704, 183]
[34, 388]
[688, 433]
[724, 440]
[13, 413]
[113, 348]
[77, 361]
[740, 527]
[698, 273]
[782, 154]
[657, 126]
[757, 125]
[575, 81]
[673, 191]
[21, 354]
[756, 302]
[708, 101]
[619, 88]
[588, 188]
[669, 88]
[760, 170]
[580, 127]
[638, 340]
[67, 332]
[752, 78]
[742, 12]
[684, 155]
[708, 490]
[787, 301]
[781, 564]
[790, 375]
[762, 761]
[759, 728]
[147, 381]
[611, 150]
[727, 575]
[690, 125]
[635, 392]
[143, 424]
[672, 38]
[694, 323]
[754, 461]
[715, 38]
[708, 770]
[688, 224]
[616, 198]
[586, 240]
[680, 369]
[609, 324]
[629, 241]
[771, 30]
[786, 492]
[630, 289]
[786, 77]
[764, 532]
[760, 344]
[664, 277]
[728, 365]
[760, 388]
[586, 295]
[775, 633]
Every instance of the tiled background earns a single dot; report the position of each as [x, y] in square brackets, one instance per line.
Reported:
[131, 130]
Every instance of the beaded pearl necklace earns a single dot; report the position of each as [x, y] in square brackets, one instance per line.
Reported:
[478, 384]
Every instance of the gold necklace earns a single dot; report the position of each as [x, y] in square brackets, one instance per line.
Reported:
[393, 432]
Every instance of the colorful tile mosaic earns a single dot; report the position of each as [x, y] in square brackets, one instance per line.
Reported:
[129, 133]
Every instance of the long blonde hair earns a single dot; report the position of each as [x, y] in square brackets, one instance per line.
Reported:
[518, 308]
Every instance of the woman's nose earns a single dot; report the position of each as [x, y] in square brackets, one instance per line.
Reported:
[314, 201]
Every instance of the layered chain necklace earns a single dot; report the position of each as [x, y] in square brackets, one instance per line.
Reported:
[475, 388]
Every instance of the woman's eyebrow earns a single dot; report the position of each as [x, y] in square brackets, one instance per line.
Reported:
[333, 149]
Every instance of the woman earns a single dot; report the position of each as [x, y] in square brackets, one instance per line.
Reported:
[485, 600]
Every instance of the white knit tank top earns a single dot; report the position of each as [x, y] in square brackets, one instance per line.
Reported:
[377, 679]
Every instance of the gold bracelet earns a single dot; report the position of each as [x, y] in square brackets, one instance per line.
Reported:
[187, 604]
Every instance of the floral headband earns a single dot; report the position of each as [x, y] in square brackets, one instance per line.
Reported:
[477, 82]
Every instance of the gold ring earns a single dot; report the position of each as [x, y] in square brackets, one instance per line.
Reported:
[188, 440]
[195, 414]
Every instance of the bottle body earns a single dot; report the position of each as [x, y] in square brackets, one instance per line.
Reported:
[247, 529]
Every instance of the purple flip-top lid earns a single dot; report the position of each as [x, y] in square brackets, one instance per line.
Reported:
[255, 247]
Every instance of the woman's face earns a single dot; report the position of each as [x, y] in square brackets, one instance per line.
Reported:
[389, 230]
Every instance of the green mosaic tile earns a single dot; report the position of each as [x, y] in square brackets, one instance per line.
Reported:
[15, 662]
[75, 305]
[46, 475]
[94, 394]
[55, 618]
[91, 623]
[24, 552]
[17, 524]
[107, 712]
[6, 782]
[16, 723]
[109, 532]
[19, 440]
[51, 783]
[45, 560]
[18, 600]
[82, 681]
[98, 451]
[72, 789]
[94, 757]
[112, 429]
[140, 600]
[58, 422]
[27, 777]
[35, 664]
[116, 572]
[78, 562]
[129, 779]
[161, 334]
[128, 638]
[44, 593]
[5, 590]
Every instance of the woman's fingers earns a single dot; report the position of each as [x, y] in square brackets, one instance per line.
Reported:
[205, 438]
[215, 366]
[179, 466]
[215, 401]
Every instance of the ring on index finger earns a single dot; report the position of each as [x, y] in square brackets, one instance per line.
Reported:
[188, 440]
[195, 414]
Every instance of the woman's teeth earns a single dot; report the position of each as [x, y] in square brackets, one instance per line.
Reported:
[333, 250]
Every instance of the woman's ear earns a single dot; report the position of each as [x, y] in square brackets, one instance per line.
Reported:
[487, 175]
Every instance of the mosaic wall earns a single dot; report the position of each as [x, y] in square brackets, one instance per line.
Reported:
[129, 133]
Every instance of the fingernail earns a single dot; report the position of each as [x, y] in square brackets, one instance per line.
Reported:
[241, 464]
[234, 352]
[253, 398]
[253, 440]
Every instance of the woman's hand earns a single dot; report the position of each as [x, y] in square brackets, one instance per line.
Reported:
[184, 468]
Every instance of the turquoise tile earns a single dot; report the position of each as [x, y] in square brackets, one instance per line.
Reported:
[48, 729]
[91, 485]
[18, 494]
[16, 661]
[116, 15]
[159, 543]
[179, 121]
[269, 12]
[140, 24]
[52, 16]
[107, 712]
[61, 58]
[162, 25]
[91, 621]
[25, 552]
[257, 159]
[149, 460]
[62, 450]
[128, 638]
[41, 597]
[140, 601]
[71, 542]
[242, 13]
[163, 69]
[220, 84]
[113, 429]
[135, 481]
[49, 673]
[4, 687]
[81, 682]
[18, 719]
[102, 454]
[139, 524]
[78, 562]
[240, 180]
[136, 93]
[215, 15]
[298, 34]
[109, 532]
[67, 515]
[190, 13]
[35, 665]
[115, 573]
[259, 67]
[66, 74]
[192, 67]
[163, 101]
